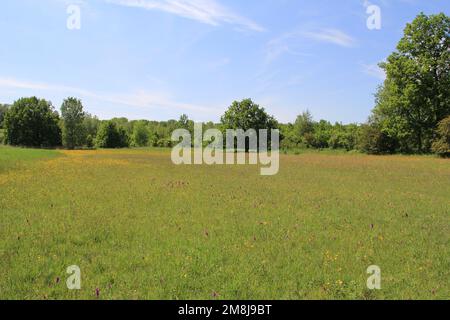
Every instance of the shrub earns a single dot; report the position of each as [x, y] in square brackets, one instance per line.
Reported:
[442, 145]
[373, 140]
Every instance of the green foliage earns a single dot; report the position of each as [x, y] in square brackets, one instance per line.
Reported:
[320, 136]
[112, 136]
[3, 109]
[304, 124]
[2, 136]
[416, 93]
[372, 140]
[73, 131]
[185, 123]
[344, 137]
[442, 144]
[247, 115]
[90, 142]
[90, 124]
[160, 132]
[32, 122]
[124, 123]
[140, 135]
[289, 137]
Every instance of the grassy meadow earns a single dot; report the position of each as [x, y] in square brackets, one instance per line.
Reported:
[140, 227]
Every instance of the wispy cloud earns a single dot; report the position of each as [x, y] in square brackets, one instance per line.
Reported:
[138, 98]
[279, 46]
[206, 11]
[374, 71]
[333, 36]
[290, 43]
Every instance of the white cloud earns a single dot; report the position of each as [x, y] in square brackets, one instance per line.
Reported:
[333, 36]
[374, 71]
[289, 43]
[206, 11]
[278, 46]
[139, 98]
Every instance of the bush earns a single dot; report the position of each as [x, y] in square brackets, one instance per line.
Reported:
[111, 136]
[373, 140]
[32, 122]
[442, 145]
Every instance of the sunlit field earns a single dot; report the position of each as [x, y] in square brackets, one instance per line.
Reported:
[140, 227]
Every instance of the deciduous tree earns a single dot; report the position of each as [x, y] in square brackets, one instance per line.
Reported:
[72, 114]
[416, 93]
[32, 122]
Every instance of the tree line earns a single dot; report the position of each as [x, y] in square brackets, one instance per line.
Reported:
[411, 114]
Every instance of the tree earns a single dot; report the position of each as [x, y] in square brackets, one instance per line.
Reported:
[32, 122]
[123, 123]
[343, 136]
[90, 127]
[442, 145]
[183, 122]
[416, 93]
[3, 109]
[247, 115]
[304, 124]
[290, 138]
[321, 135]
[73, 133]
[141, 134]
[373, 140]
[109, 135]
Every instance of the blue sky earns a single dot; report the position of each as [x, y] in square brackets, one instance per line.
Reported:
[157, 59]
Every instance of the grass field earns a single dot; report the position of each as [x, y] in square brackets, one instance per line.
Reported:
[141, 228]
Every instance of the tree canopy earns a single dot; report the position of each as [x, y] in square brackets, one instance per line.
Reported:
[110, 135]
[416, 93]
[3, 109]
[442, 145]
[247, 115]
[32, 122]
[72, 114]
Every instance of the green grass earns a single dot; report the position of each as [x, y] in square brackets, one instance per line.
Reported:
[11, 158]
[141, 228]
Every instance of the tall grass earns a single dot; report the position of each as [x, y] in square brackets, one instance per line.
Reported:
[141, 228]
